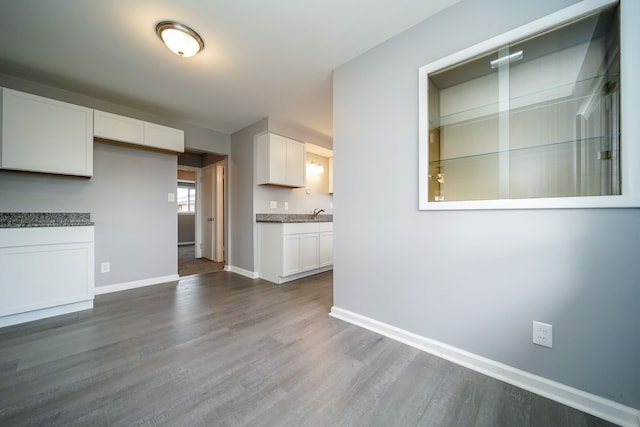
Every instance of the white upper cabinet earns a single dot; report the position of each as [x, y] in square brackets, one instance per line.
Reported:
[114, 127]
[118, 128]
[163, 137]
[42, 135]
[280, 161]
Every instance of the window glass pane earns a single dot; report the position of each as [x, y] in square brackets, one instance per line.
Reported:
[535, 118]
[186, 197]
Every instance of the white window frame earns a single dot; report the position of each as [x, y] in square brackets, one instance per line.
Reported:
[629, 106]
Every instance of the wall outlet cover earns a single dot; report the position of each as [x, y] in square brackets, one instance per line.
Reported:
[543, 334]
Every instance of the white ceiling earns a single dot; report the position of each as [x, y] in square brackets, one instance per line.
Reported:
[261, 57]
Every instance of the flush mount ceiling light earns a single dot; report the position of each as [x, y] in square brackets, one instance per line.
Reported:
[179, 38]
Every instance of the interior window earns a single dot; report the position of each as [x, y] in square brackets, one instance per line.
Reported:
[538, 117]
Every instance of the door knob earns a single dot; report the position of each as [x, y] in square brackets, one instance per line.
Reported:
[209, 219]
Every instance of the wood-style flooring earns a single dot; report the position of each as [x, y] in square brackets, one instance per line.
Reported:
[219, 349]
[188, 264]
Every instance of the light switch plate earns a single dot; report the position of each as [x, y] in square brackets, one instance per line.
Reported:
[171, 197]
[273, 204]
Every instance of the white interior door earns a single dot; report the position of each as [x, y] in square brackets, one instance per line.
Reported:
[209, 220]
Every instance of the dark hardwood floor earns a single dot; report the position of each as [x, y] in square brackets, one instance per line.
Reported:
[219, 349]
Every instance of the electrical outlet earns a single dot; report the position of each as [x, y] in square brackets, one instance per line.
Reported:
[286, 206]
[105, 267]
[542, 334]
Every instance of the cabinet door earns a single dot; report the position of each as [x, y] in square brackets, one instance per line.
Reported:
[277, 160]
[163, 137]
[43, 135]
[280, 161]
[296, 169]
[291, 250]
[326, 249]
[117, 128]
[309, 252]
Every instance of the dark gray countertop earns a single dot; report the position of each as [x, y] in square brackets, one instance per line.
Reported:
[44, 219]
[262, 217]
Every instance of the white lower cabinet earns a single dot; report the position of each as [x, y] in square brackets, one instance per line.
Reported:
[293, 250]
[325, 252]
[45, 272]
[291, 260]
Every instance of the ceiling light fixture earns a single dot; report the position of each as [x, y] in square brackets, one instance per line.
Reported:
[179, 38]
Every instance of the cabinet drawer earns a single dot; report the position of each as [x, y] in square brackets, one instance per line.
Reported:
[300, 228]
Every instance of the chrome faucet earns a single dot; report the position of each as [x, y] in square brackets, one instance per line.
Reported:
[316, 212]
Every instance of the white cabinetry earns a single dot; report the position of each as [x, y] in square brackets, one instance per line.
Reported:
[45, 271]
[118, 128]
[42, 135]
[280, 161]
[113, 127]
[290, 251]
[163, 137]
[325, 244]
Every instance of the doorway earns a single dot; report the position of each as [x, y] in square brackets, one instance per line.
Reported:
[201, 213]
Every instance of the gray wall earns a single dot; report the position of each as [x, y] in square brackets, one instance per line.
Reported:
[241, 183]
[299, 133]
[135, 226]
[186, 228]
[475, 279]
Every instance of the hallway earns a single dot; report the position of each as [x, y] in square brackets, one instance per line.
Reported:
[188, 264]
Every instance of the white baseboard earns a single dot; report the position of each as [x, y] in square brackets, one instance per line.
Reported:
[99, 290]
[578, 399]
[43, 313]
[241, 271]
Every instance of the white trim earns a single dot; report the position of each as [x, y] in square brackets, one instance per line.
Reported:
[241, 271]
[29, 316]
[99, 290]
[578, 399]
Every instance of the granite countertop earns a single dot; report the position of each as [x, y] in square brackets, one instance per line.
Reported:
[262, 217]
[44, 219]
